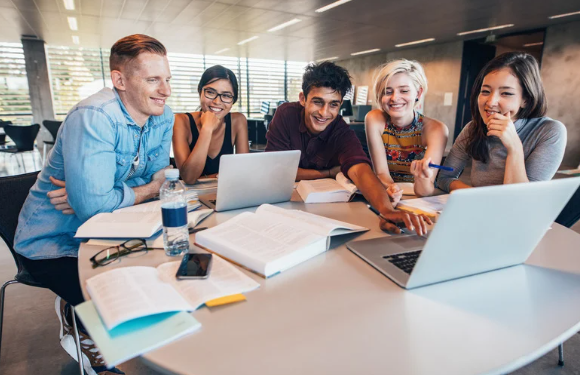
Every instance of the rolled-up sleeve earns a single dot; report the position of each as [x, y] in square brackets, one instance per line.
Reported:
[457, 159]
[350, 151]
[90, 164]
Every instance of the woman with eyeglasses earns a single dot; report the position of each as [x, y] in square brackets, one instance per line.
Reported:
[201, 138]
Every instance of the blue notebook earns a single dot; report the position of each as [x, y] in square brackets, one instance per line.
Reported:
[135, 337]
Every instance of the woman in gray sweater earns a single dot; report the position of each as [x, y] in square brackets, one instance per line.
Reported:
[509, 139]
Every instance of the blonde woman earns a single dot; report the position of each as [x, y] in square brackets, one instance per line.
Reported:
[402, 142]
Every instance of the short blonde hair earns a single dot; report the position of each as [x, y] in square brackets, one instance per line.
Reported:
[413, 69]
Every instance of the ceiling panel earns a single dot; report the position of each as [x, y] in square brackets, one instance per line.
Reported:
[207, 26]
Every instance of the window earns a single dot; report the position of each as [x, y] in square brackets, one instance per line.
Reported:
[186, 70]
[76, 73]
[14, 97]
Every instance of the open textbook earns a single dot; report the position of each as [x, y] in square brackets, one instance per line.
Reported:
[341, 189]
[127, 293]
[139, 221]
[272, 239]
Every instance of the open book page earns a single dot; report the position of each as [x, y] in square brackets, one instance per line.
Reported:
[254, 240]
[346, 184]
[224, 280]
[127, 293]
[320, 225]
[429, 205]
[325, 190]
[121, 225]
[194, 217]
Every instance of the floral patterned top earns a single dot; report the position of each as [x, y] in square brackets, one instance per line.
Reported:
[402, 146]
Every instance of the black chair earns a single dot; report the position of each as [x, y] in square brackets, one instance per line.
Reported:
[52, 126]
[23, 138]
[13, 193]
[2, 134]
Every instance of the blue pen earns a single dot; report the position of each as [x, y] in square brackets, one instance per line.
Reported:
[448, 169]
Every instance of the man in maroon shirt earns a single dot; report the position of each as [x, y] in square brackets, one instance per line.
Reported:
[329, 146]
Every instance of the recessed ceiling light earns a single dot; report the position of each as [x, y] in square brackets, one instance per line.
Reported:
[564, 15]
[247, 40]
[221, 51]
[415, 42]
[72, 23]
[331, 5]
[367, 51]
[285, 24]
[533, 44]
[69, 4]
[487, 29]
[76, 39]
[328, 59]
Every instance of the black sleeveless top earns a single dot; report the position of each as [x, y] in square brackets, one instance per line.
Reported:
[212, 165]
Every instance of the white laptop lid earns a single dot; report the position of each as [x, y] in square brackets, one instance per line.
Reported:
[247, 180]
[488, 228]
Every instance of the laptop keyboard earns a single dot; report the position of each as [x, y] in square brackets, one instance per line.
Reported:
[404, 261]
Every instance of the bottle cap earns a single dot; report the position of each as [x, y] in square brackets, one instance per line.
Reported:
[172, 174]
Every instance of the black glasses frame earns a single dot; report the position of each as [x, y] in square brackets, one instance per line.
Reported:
[205, 93]
[121, 250]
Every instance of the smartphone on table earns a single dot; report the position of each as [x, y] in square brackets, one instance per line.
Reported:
[194, 266]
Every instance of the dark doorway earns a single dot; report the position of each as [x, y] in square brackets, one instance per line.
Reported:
[475, 56]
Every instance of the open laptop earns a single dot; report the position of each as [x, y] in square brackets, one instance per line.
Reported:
[480, 230]
[247, 180]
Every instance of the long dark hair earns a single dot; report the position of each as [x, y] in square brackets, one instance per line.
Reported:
[525, 67]
[215, 73]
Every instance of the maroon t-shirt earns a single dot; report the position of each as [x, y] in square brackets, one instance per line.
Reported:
[336, 145]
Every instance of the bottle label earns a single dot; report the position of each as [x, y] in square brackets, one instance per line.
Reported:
[174, 217]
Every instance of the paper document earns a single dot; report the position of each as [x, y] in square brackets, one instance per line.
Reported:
[429, 205]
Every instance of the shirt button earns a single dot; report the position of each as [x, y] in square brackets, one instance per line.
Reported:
[136, 136]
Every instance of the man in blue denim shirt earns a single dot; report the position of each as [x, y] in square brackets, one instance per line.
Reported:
[110, 151]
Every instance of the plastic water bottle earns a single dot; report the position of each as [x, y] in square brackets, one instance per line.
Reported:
[174, 213]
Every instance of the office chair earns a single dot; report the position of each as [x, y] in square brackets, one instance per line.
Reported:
[2, 134]
[23, 138]
[13, 193]
[52, 126]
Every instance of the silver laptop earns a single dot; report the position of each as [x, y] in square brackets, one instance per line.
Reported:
[480, 230]
[247, 180]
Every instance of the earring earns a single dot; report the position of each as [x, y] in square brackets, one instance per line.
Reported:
[416, 99]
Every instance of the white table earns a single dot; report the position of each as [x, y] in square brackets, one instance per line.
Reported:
[336, 315]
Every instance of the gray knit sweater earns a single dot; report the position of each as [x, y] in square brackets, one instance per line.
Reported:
[544, 141]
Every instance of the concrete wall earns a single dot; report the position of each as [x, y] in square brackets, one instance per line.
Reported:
[39, 86]
[442, 64]
[560, 65]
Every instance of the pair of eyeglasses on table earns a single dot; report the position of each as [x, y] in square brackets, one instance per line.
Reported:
[130, 247]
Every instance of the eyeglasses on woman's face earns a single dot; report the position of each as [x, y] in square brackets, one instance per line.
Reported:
[211, 94]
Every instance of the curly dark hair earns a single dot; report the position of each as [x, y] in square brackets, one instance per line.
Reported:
[326, 74]
[525, 68]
